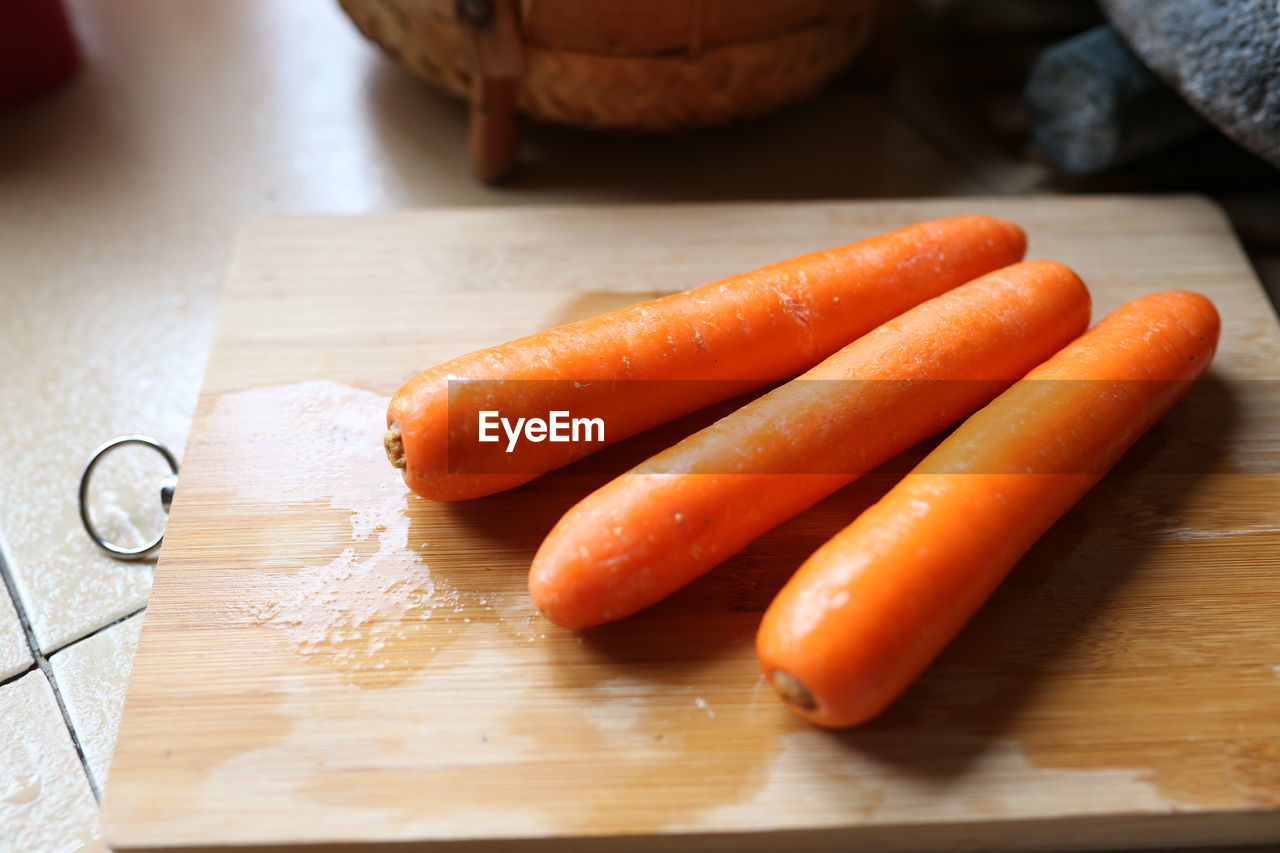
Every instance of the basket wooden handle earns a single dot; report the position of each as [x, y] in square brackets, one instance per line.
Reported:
[493, 33]
[491, 136]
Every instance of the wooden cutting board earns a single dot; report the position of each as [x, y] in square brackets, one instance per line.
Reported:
[329, 660]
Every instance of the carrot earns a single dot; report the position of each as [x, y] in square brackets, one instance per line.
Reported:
[869, 610]
[670, 519]
[742, 332]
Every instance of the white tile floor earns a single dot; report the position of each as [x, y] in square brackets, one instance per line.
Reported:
[15, 654]
[188, 117]
[92, 675]
[45, 800]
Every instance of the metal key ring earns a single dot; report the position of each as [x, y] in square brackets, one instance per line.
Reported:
[167, 486]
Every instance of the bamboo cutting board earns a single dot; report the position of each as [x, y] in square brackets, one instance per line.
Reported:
[328, 660]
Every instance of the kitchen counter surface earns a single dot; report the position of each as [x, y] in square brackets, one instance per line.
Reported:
[120, 196]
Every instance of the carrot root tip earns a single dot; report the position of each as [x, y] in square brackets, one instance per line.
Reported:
[792, 691]
[393, 443]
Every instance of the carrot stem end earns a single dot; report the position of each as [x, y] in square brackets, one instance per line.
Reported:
[792, 691]
[393, 443]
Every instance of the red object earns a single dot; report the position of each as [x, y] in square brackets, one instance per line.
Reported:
[37, 48]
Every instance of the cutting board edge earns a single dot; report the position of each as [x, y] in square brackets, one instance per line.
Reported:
[252, 224]
[1180, 830]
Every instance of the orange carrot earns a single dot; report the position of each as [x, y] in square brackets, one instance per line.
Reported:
[665, 522]
[873, 606]
[743, 332]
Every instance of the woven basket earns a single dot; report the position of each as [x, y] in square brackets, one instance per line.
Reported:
[632, 64]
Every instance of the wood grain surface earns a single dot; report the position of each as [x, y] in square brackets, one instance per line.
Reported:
[328, 661]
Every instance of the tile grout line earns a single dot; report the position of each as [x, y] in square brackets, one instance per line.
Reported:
[43, 665]
[19, 674]
[96, 631]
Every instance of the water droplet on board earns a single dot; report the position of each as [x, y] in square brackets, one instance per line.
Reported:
[363, 608]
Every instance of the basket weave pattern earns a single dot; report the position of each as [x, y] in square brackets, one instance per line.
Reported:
[712, 85]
